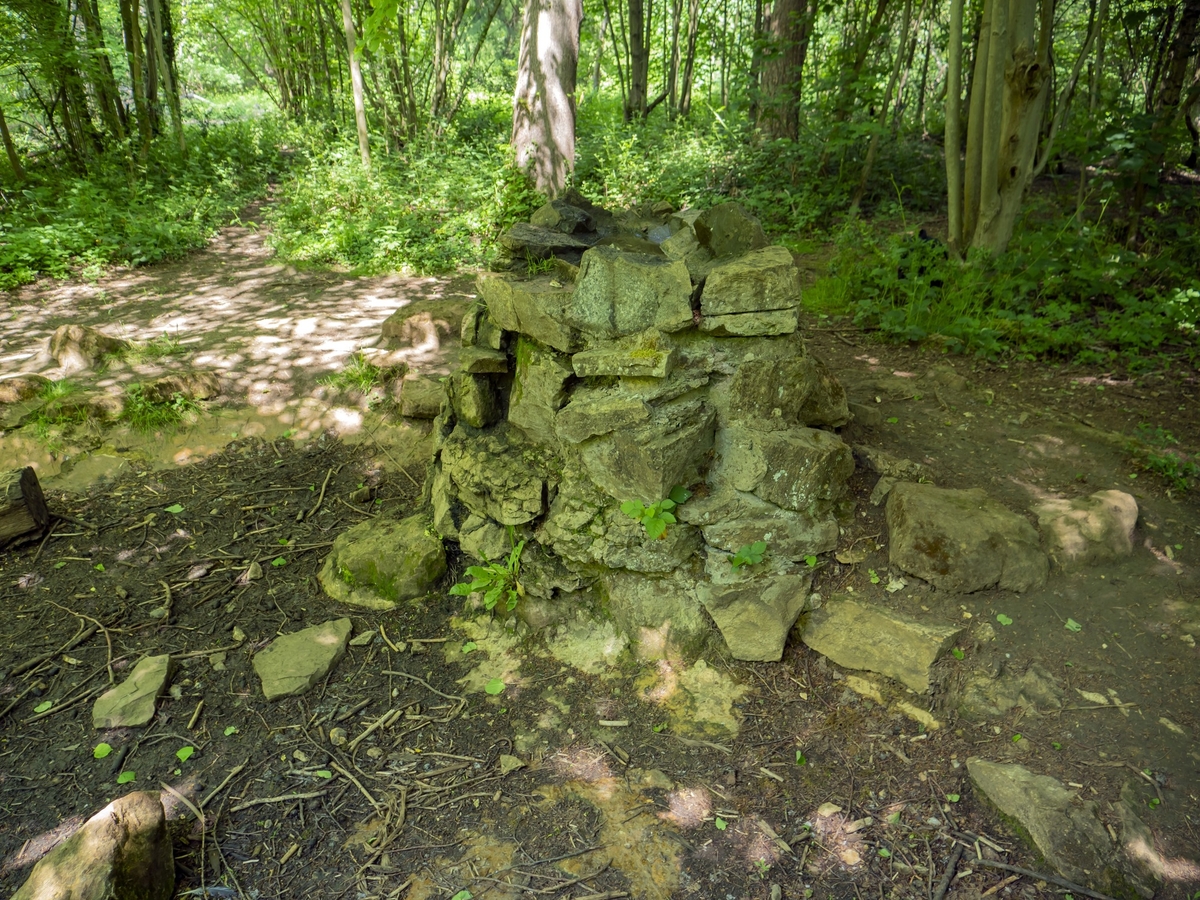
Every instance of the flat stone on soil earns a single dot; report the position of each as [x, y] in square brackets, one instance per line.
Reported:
[962, 540]
[1088, 530]
[765, 279]
[382, 562]
[754, 613]
[123, 851]
[1058, 824]
[292, 664]
[81, 347]
[863, 636]
[755, 324]
[189, 385]
[131, 703]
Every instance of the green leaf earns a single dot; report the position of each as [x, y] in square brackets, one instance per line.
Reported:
[659, 728]
[494, 687]
[323, 773]
[43, 706]
[656, 528]
[102, 750]
[493, 596]
[680, 494]
[884, 852]
[893, 420]
[873, 576]
[664, 505]
[478, 572]
[1016, 738]
[632, 508]
[1056, 745]
[953, 798]
[461, 590]
[469, 646]
[958, 654]
[1153, 802]
[231, 729]
[810, 561]
[126, 777]
[60, 564]
[99, 567]
[174, 508]
[183, 754]
[462, 895]
[721, 824]
[801, 759]
[1003, 619]
[1072, 625]
[278, 561]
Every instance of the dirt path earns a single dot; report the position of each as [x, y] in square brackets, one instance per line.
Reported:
[269, 330]
[640, 777]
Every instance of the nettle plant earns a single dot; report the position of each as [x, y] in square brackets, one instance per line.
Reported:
[655, 517]
[496, 579]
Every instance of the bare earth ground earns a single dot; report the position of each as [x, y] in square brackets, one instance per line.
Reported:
[645, 775]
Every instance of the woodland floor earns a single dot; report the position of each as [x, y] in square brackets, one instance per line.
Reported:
[660, 802]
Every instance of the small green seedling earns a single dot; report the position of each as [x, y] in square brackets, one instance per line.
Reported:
[957, 653]
[810, 561]
[183, 754]
[953, 798]
[469, 646]
[873, 575]
[494, 687]
[174, 509]
[721, 824]
[231, 729]
[1153, 802]
[1072, 625]
[1016, 738]
[44, 706]
[99, 567]
[1056, 745]
[126, 777]
[655, 517]
[659, 728]
[462, 895]
[750, 555]
[893, 420]
[801, 759]
[278, 561]
[884, 853]
[60, 564]
[1003, 619]
[495, 579]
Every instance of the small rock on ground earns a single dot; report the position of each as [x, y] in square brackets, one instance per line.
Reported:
[1088, 530]
[293, 663]
[131, 703]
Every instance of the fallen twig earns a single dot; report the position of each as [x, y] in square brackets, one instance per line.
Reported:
[948, 875]
[1052, 879]
[220, 787]
[282, 798]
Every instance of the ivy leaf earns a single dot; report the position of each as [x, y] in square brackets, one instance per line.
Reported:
[494, 687]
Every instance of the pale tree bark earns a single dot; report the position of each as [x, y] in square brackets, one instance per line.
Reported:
[689, 60]
[953, 136]
[356, 81]
[639, 61]
[131, 28]
[543, 134]
[1008, 98]
[787, 29]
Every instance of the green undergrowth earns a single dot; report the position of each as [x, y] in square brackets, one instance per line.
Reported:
[1157, 450]
[146, 414]
[58, 222]
[1063, 293]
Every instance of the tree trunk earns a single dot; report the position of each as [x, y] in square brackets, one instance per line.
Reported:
[103, 81]
[543, 134]
[689, 62]
[674, 59]
[356, 82]
[953, 136]
[14, 160]
[639, 61]
[156, 20]
[787, 28]
[604, 25]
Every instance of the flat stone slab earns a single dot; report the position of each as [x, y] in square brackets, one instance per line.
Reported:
[537, 307]
[421, 396]
[765, 279]
[728, 230]
[962, 540]
[382, 562]
[1055, 821]
[292, 664]
[1088, 530]
[122, 851]
[753, 324]
[862, 636]
[131, 703]
[754, 613]
[589, 415]
[619, 293]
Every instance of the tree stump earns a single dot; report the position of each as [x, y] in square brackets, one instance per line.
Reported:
[23, 513]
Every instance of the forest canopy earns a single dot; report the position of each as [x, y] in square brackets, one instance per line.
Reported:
[1008, 175]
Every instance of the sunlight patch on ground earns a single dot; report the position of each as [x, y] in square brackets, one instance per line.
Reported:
[499, 649]
[587, 645]
[482, 857]
[698, 698]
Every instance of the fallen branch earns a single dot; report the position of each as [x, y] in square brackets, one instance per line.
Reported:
[1052, 879]
[283, 798]
[948, 875]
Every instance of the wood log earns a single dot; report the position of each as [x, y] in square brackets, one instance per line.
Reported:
[23, 513]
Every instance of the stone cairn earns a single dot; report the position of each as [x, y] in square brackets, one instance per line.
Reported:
[673, 361]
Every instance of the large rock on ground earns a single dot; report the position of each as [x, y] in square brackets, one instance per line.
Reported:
[802, 469]
[538, 390]
[536, 307]
[1088, 530]
[1055, 821]
[421, 396]
[292, 664]
[983, 696]
[728, 230]
[131, 703]
[121, 853]
[762, 280]
[863, 636]
[771, 395]
[381, 562]
[195, 385]
[962, 540]
[753, 611]
[646, 462]
[77, 347]
[619, 293]
[497, 475]
[473, 399]
[19, 388]
[425, 326]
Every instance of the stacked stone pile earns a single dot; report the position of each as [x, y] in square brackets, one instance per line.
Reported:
[648, 370]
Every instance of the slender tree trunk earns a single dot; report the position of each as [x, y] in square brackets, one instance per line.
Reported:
[105, 84]
[604, 26]
[884, 108]
[639, 61]
[543, 134]
[786, 29]
[689, 63]
[155, 20]
[920, 115]
[953, 136]
[356, 81]
[469, 68]
[674, 59]
[14, 160]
